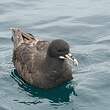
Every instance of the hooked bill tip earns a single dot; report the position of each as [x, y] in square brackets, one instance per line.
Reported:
[69, 56]
[76, 62]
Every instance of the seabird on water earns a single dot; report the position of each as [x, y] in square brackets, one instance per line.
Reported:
[41, 63]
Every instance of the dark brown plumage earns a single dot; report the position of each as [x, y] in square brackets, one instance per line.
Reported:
[39, 62]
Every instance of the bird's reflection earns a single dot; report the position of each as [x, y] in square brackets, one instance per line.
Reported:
[58, 94]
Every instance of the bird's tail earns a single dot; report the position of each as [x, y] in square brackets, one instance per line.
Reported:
[19, 37]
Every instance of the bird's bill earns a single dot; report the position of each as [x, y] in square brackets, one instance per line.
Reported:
[70, 57]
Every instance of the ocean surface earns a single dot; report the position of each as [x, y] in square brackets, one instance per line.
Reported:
[85, 25]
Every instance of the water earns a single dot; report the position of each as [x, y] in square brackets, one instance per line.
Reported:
[85, 25]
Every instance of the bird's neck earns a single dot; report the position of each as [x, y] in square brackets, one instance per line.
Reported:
[53, 65]
[55, 71]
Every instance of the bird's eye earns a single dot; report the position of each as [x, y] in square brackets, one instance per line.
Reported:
[62, 50]
[59, 50]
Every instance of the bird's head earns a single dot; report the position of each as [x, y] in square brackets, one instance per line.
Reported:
[60, 49]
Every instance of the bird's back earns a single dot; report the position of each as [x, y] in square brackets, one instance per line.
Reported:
[28, 56]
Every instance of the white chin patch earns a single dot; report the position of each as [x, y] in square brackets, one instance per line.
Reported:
[62, 57]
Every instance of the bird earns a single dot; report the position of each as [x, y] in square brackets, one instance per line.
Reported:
[41, 63]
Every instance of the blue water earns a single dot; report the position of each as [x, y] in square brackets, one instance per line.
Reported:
[85, 25]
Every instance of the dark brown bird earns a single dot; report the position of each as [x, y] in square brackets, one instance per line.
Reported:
[41, 63]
